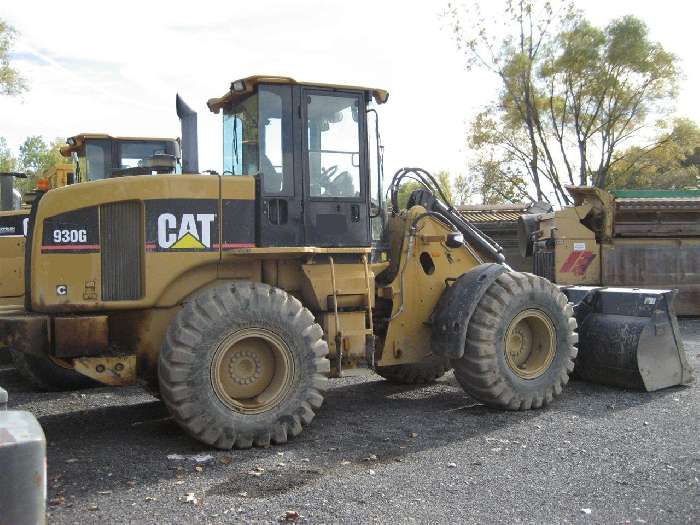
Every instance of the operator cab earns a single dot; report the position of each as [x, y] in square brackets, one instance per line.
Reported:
[307, 146]
[97, 156]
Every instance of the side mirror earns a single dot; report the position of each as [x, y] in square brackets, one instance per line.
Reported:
[454, 240]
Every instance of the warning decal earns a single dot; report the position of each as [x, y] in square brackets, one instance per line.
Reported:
[577, 262]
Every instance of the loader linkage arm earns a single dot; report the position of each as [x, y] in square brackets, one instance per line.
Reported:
[434, 200]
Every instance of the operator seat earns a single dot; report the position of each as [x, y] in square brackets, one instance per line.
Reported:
[272, 181]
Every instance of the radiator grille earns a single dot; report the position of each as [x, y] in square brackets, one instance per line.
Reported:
[121, 239]
[544, 264]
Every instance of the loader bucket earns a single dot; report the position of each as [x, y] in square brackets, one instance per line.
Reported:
[628, 338]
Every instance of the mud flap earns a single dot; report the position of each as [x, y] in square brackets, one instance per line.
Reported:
[628, 338]
[455, 307]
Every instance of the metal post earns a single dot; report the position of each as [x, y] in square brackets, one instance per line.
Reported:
[338, 330]
[23, 467]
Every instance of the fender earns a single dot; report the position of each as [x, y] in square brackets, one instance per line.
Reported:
[457, 303]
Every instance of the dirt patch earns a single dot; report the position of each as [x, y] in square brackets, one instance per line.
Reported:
[268, 483]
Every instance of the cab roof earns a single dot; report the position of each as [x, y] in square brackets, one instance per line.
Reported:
[244, 86]
[79, 141]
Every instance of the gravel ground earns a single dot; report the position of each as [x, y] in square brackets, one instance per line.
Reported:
[383, 454]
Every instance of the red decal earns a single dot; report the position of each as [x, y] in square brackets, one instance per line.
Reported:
[71, 247]
[583, 263]
[226, 246]
[233, 245]
[569, 262]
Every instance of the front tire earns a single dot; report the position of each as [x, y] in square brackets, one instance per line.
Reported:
[243, 364]
[520, 345]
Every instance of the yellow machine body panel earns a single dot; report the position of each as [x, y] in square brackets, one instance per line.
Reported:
[425, 268]
[138, 247]
[59, 175]
[12, 264]
[607, 241]
[182, 240]
[576, 253]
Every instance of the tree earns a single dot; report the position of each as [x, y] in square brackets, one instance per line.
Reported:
[502, 165]
[7, 161]
[498, 184]
[443, 179]
[571, 94]
[672, 162]
[464, 188]
[513, 57]
[35, 157]
[11, 82]
[602, 87]
[409, 186]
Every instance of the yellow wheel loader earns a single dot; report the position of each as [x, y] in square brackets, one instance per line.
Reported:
[639, 241]
[237, 296]
[92, 157]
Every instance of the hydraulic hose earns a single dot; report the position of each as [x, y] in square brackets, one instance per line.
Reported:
[436, 201]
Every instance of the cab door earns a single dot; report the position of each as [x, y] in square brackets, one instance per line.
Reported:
[334, 168]
[279, 183]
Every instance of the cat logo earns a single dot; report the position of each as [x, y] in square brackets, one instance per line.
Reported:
[188, 231]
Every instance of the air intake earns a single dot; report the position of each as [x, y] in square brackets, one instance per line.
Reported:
[121, 239]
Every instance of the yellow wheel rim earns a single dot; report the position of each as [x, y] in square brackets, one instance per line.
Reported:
[252, 370]
[530, 344]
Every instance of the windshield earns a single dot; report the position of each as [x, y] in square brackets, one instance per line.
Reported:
[104, 158]
[241, 138]
[145, 158]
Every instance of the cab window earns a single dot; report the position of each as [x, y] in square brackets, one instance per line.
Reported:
[276, 151]
[258, 139]
[333, 139]
[145, 158]
[98, 163]
[241, 138]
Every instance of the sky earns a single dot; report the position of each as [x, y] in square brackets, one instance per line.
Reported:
[115, 68]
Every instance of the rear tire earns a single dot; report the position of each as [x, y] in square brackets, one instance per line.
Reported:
[243, 364]
[520, 345]
[48, 376]
[429, 370]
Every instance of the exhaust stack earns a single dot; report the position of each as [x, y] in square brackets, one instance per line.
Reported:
[188, 130]
[8, 195]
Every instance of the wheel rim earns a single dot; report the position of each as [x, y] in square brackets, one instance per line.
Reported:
[530, 344]
[252, 370]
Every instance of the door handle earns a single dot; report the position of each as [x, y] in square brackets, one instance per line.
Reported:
[355, 213]
[277, 211]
